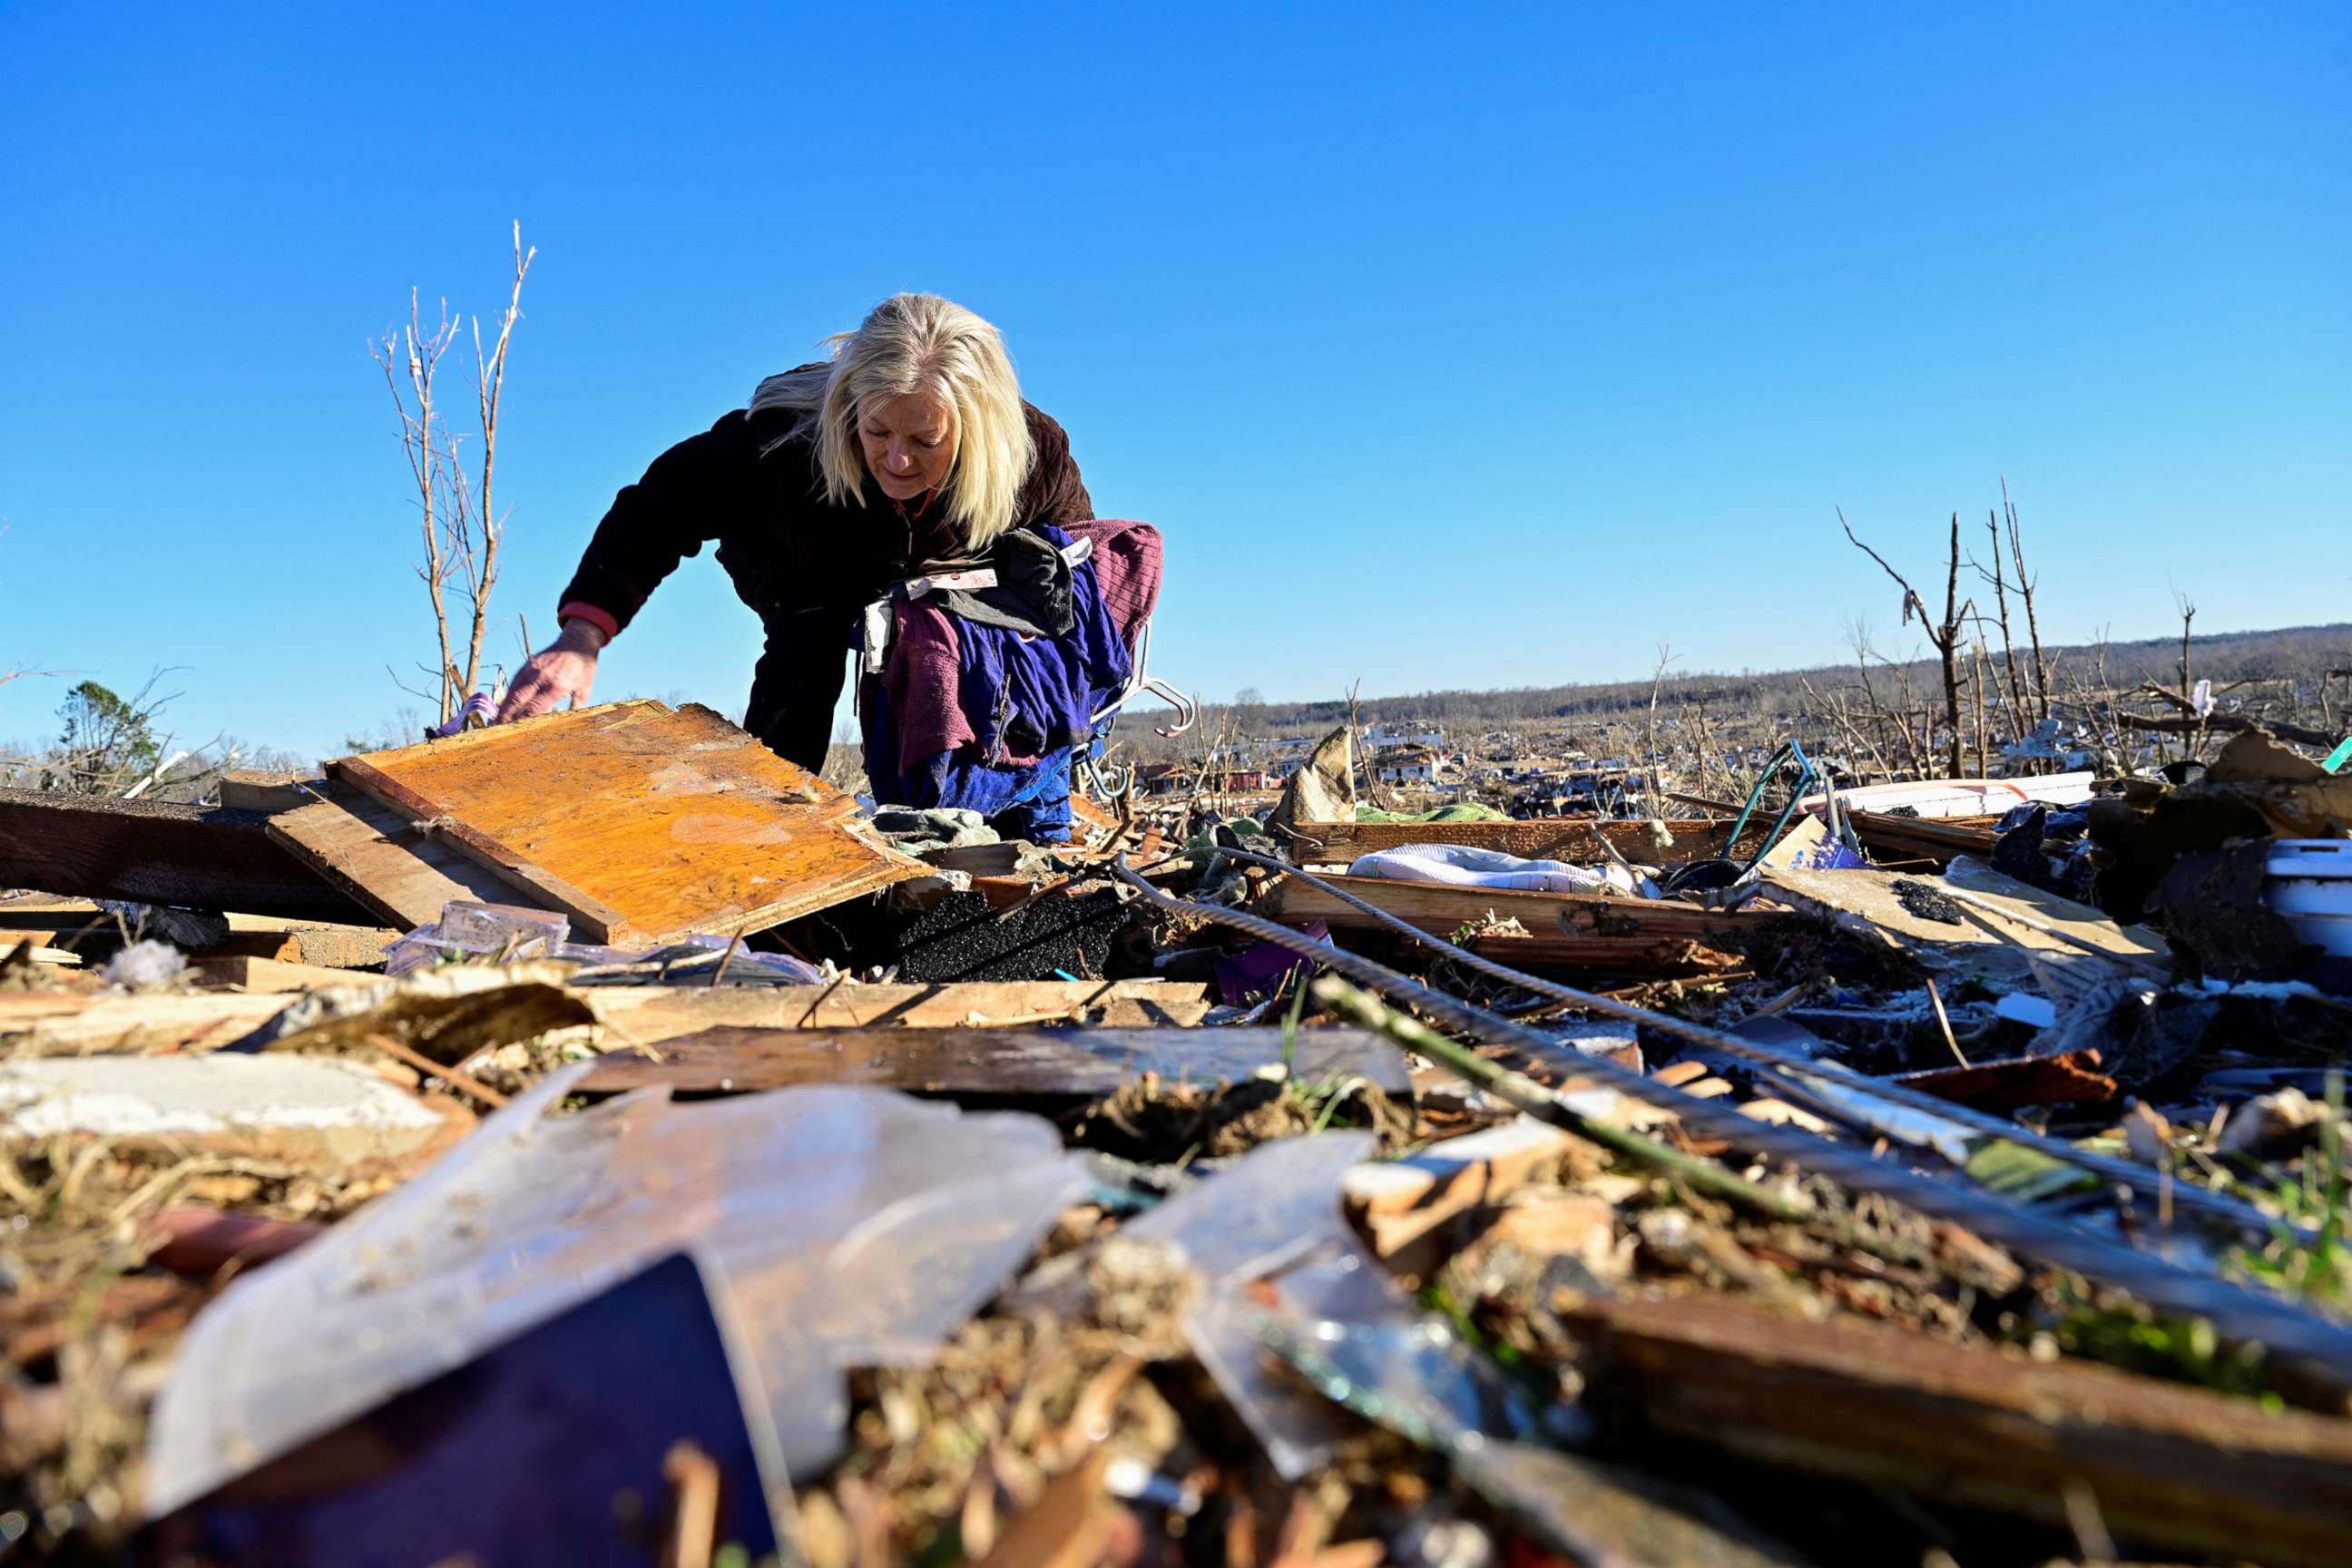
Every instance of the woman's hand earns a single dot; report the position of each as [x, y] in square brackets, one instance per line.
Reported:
[565, 668]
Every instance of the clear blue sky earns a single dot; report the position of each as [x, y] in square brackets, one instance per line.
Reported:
[1449, 346]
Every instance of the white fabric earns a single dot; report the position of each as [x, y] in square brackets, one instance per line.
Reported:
[1465, 866]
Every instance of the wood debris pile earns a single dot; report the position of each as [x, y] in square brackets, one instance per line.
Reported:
[595, 1139]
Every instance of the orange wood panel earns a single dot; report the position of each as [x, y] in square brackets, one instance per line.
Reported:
[642, 824]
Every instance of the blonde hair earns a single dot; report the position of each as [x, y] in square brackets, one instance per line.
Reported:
[910, 344]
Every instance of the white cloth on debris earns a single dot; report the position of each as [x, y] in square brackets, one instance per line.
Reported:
[1465, 866]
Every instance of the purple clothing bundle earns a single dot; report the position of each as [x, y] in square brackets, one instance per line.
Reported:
[974, 715]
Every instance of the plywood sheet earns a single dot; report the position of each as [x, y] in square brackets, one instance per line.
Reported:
[642, 824]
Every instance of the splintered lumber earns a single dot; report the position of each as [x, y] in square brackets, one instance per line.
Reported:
[1564, 929]
[1985, 923]
[628, 1014]
[328, 946]
[254, 789]
[156, 852]
[1397, 1202]
[62, 1023]
[240, 973]
[2014, 1082]
[1574, 839]
[643, 824]
[2166, 1465]
[1013, 1061]
[80, 925]
[386, 860]
[1925, 838]
[648, 1013]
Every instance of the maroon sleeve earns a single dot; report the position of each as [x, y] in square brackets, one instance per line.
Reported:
[1058, 496]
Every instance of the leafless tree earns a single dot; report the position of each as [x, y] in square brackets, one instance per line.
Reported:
[459, 525]
[1650, 769]
[2025, 591]
[2019, 713]
[1944, 635]
[2188, 614]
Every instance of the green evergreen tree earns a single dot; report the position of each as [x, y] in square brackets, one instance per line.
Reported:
[106, 740]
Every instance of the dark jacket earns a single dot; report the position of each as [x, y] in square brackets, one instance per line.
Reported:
[805, 564]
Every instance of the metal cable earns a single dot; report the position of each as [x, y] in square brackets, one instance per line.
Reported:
[2321, 1347]
[2185, 1199]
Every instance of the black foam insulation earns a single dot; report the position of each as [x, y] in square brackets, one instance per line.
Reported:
[963, 938]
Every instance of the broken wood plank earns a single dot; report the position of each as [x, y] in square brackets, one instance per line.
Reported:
[1445, 909]
[650, 1013]
[1575, 840]
[256, 789]
[381, 858]
[157, 852]
[18, 950]
[1925, 838]
[328, 946]
[1664, 959]
[2014, 1082]
[643, 824]
[2169, 1466]
[2227, 723]
[1395, 1203]
[1988, 932]
[80, 924]
[1029, 1061]
[633, 1015]
[267, 975]
[55, 1022]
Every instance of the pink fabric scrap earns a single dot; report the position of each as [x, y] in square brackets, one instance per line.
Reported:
[923, 677]
[924, 683]
[1128, 557]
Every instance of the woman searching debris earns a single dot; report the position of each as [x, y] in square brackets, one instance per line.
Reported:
[910, 451]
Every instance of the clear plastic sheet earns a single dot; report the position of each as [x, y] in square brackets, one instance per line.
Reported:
[512, 934]
[1411, 1374]
[1276, 1212]
[1276, 1204]
[844, 1227]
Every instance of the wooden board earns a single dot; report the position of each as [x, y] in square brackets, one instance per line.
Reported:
[1565, 930]
[1016, 1061]
[1574, 839]
[2176, 1467]
[643, 824]
[1925, 838]
[633, 1014]
[254, 789]
[269, 974]
[650, 1013]
[1870, 905]
[1436, 906]
[156, 852]
[378, 856]
[81, 925]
